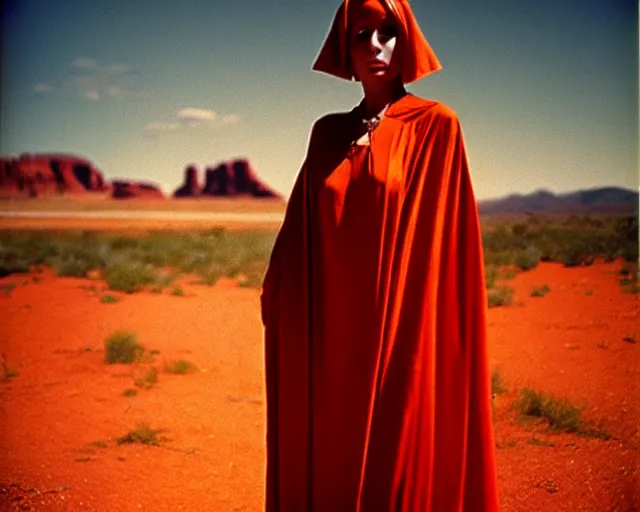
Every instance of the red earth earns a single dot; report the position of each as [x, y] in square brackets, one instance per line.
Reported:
[61, 414]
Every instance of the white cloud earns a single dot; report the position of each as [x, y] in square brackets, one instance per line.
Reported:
[42, 87]
[191, 114]
[92, 95]
[230, 119]
[161, 127]
[84, 63]
[193, 117]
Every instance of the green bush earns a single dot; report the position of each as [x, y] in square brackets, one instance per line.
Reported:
[560, 414]
[497, 386]
[74, 256]
[12, 261]
[528, 258]
[491, 274]
[210, 273]
[180, 366]
[122, 347]
[148, 379]
[177, 291]
[500, 296]
[129, 276]
[143, 434]
[540, 291]
[253, 275]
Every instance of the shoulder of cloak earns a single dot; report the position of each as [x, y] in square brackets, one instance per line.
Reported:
[419, 110]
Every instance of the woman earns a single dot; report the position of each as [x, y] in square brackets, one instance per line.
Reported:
[378, 395]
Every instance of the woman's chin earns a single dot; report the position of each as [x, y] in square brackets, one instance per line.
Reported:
[378, 77]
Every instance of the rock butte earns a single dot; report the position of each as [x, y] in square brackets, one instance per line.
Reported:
[227, 179]
[52, 174]
[35, 175]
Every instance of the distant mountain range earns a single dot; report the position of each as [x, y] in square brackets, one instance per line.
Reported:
[596, 200]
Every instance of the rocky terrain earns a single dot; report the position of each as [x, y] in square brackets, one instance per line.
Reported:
[227, 179]
[36, 175]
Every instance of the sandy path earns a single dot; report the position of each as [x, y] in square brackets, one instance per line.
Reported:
[66, 398]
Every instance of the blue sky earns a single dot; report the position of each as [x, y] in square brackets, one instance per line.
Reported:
[546, 91]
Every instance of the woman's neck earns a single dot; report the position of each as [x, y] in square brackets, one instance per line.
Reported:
[378, 96]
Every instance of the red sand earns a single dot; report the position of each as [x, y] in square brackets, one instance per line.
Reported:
[65, 398]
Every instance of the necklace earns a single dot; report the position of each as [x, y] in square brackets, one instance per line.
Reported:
[373, 122]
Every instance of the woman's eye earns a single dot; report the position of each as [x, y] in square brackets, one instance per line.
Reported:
[363, 35]
[389, 31]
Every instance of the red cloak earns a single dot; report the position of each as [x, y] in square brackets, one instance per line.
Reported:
[378, 393]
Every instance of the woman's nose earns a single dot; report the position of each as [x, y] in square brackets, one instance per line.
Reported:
[375, 43]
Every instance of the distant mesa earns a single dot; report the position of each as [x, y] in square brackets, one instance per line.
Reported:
[124, 189]
[597, 200]
[191, 186]
[227, 179]
[36, 175]
[51, 174]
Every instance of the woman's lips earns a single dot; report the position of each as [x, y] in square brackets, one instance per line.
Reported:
[377, 64]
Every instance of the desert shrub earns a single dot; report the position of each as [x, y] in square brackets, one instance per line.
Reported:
[177, 291]
[625, 229]
[576, 256]
[143, 434]
[120, 243]
[497, 386]
[630, 285]
[560, 414]
[520, 230]
[166, 278]
[540, 291]
[528, 258]
[497, 239]
[12, 260]
[7, 372]
[109, 299]
[129, 263]
[498, 258]
[148, 379]
[129, 392]
[491, 274]
[21, 250]
[122, 347]
[210, 273]
[253, 276]
[7, 288]
[500, 296]
[508, 273]
[541, 442]
[180, 366]
[72, 266]
[129, 276]
[74, 255]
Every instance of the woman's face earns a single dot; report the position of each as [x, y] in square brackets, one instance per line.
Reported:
[373, 37]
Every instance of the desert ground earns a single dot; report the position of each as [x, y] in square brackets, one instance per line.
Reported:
[65, 413]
